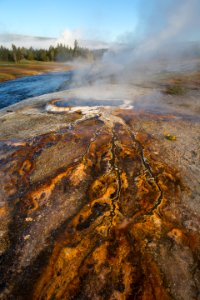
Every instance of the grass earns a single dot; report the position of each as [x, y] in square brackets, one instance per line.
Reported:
[175, 89]
[9, 71]
[179, 84]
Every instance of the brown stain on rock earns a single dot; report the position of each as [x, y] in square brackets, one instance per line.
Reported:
[111, 203]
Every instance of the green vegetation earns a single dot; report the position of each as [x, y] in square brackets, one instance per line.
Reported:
[20, 61]
[170, 137]
[60, 53]
[175, 89]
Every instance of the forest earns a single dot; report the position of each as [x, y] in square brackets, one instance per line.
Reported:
[59, 53]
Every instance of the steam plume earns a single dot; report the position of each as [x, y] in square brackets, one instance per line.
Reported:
[165, 38]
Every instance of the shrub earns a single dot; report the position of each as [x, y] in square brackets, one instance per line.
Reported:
[175, 89]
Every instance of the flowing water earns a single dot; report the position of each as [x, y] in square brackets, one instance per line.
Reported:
[19, 89]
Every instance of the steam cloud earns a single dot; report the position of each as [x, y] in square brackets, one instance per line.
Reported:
[164, 43]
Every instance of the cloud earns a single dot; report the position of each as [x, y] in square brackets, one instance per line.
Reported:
[20, 40]
[85, 39]
[67, 38]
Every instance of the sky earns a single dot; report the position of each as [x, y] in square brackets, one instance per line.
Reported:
[103, 20]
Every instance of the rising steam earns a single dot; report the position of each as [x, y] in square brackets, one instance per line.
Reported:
[164, 44]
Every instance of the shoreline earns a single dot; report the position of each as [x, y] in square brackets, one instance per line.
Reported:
[12, 71]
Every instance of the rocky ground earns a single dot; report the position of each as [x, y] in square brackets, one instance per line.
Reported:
[100, 202]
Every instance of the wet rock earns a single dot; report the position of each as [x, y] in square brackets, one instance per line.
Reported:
[99, 206]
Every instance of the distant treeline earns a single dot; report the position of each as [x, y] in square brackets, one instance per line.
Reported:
[60, 53]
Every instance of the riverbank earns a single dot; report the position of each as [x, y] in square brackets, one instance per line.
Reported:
[10, 71]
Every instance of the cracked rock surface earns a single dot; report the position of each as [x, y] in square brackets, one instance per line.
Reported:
[99, 204]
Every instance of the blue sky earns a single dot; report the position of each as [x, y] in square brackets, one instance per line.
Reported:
[103, 20]
[108, 18]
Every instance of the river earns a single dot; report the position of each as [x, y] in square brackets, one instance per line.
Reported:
[16, 90]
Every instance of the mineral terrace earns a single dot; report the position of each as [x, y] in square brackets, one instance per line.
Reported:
[99, 202]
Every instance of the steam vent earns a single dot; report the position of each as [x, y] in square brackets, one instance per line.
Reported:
[98, 202]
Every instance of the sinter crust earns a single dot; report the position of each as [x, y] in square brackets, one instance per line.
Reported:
[99, 205]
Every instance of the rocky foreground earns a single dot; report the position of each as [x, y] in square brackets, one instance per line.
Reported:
[99, 203]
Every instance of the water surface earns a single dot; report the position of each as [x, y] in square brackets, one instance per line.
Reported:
[14, 91]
